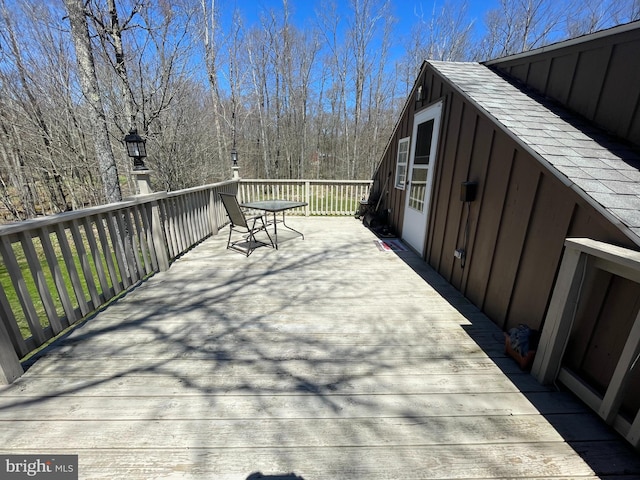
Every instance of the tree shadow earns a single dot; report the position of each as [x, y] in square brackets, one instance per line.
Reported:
[288, 476]
[602, 448]
[325, 345]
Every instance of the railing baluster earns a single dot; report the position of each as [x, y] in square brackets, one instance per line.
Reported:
[58, 280]
[106, 290]
[70, 264]
[190, 209]
[37, 273]
[170, 226]
[20, 286]
[117, 242]
[116, 245]
[85, 264]
[10, 367]
[200, 230]
[141, 234]
[107, 253]
[131, 251]
[135, 243]
[11, 328]
[183, 224]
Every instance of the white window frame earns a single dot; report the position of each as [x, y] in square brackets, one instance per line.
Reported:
[402, 162]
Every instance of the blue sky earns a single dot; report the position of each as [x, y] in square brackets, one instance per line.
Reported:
[304, 10]
[406, 13]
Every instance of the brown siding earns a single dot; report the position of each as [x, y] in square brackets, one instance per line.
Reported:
[394, 199]
[589, 79]
[518, 222]
[538, 74]
[560, 76]
[541, 254]
[620, 93]
[602, 325]
[480, 160]
[597, 79]
[450, 266]
[487, 213]
[521, 193]
[445, 172]
[521, 216]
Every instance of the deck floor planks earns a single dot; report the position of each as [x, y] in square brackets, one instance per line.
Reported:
[327, 358]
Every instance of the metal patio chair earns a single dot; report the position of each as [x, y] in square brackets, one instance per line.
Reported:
[245, 226]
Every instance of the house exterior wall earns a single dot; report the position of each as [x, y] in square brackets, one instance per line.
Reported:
[597, 79]
[516, 226]
[514, 231]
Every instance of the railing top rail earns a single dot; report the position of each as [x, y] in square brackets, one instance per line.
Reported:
[201, 188]
[302, 180]
[611, 258]
[606, 251]
[36, 223]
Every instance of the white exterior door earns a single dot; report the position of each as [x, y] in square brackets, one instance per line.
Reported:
[424, 144]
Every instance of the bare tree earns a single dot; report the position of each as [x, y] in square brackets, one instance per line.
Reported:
[520, 25]
[444, 34]
[32, 105]
[261, 99]
[337, 63]
[210, 37]
[302, 101]
[588, 16]
[110, 33]
[91, 91]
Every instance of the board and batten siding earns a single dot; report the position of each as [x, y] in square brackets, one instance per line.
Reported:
[514, 232]
[597, 79]
[516, 225]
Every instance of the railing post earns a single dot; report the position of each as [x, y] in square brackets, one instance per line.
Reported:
[160, 243]
[307, 197]
[559, 317]
[213, 217]
[10, 367]
[143, 181]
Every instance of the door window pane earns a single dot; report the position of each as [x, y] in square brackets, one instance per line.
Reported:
[418, 188]
[423, 143]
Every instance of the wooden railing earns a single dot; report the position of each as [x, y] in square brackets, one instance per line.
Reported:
[580, 256]
[324, 197]
[60, 269]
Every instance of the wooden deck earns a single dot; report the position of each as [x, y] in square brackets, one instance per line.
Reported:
[327, 358]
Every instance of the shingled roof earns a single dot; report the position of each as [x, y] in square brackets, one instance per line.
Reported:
[602, 171]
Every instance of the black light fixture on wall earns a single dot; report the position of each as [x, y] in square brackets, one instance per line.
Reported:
[468, 191]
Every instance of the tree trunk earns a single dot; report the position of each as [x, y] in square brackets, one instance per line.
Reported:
[115, 32]
[210, 53]
[90, 89]
[53, 178]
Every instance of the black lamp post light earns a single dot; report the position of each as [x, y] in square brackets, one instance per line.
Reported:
[234, 157]
[136, 149]
[234, 163]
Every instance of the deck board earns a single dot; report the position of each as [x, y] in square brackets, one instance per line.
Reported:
[327, 358]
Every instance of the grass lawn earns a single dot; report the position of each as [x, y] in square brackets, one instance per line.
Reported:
[20, 257]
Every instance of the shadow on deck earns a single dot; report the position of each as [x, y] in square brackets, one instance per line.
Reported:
[327, 358]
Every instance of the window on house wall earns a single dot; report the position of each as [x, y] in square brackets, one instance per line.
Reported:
[401, 163]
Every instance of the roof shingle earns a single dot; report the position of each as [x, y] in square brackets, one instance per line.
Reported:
[605, 171]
